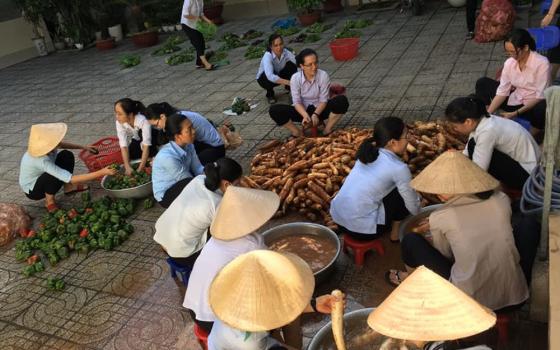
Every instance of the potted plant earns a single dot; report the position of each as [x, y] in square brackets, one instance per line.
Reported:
[307, 10]
[330, 6]
[106, 42]
[143, 12]
[32, 11]
[213, 10]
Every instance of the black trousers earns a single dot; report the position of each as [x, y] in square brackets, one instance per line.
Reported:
[197, 41]
[282, 114]
[486, 90]
[526, 232]
[554, 54]
[208, 154]
[48, 184]
[504, 168]
[173, 191]
[135, 146]
[471, 14]
[395, 210]
[186, 262]
[417, 251]
[207, 326]
[286, 73]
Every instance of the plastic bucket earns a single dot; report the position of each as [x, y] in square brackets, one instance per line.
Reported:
[344, 49]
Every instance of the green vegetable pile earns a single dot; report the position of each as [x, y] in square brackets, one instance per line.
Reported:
[287, 31]
[318, 28]
[348, 33]
[208, 30]
[358, 24]
[251, 34]
[169, 46]
[128, 61]
[121, 181]
[255, 51]
[179, 58]
[349, 29]
[55, 284]
[99, 224]
[240, 105]
[217, 57]
[231, 41]
[306, 38]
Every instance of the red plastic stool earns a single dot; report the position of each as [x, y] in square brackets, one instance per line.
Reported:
[201, 336]
[360, 248]
[502, 324]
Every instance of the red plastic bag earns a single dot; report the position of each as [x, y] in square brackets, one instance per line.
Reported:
[13, 221]
[495, 20]
[336, 89]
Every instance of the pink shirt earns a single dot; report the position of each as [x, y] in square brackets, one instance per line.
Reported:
[529, 84]
[310, 92]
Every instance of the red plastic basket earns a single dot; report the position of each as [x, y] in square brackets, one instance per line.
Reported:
[109, 153]
[344, 49]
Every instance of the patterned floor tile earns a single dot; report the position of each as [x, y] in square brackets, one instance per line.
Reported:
[18, 338]
[18, 293]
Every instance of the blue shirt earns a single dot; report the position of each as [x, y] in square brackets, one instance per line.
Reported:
[173, 164]
[204, 130]
[224, 337]
[271, 64]
[358, 206]
[33, 167]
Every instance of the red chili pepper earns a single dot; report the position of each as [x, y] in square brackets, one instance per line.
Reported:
[32, 259]
[148, 171]
[84, 233]
[72, 213]
[23, 232]
[31, 234]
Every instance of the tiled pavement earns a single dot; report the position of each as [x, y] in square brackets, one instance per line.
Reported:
[408, 66]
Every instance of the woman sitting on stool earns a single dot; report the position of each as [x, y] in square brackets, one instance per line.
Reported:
[277, 67]
[310, 95]
[176, 163]
[520, 91]
[377, 192]
[43, 170]
[498, 145]
[208, 144]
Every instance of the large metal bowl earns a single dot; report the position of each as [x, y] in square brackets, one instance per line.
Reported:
[410, 222]
[137, 192]
[323, 340]
[306, 228]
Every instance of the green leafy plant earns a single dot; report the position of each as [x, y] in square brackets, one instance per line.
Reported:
[55, 283]
[251, 34]
[32, 12]
[129, 60]
[179, 58]
[304, 6]
[306, 38]
[255, 51]
[169, 46]
[231, 41]
[318, 28]
[240, 105]
[208, 30]
[217, 57]
[287, 31]
[358, 24]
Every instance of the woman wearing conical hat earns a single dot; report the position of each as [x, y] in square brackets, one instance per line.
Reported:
[472, 240]
[240, 213]
[258, 292]
[44, 170]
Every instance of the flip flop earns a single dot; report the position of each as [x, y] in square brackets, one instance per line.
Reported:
[397, 275]
[79, 188]
[51, 208]
[212, 67]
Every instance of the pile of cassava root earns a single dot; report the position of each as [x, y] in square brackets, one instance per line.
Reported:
[308, 172]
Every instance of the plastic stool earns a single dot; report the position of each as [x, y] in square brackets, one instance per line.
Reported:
[360, 248]
[201, 337]
[502, 324]
[185, 272]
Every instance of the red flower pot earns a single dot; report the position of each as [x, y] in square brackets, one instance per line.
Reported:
[145, 39]
[307, 19]
[330, 6]
[106, 44]
[214, 12]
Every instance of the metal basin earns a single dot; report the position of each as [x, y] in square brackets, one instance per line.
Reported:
[141, 191]
[306, 228]
[410, 222]
[356, 320]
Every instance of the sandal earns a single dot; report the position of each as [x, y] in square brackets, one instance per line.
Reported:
[212, 67]
[79, 188]
[398, 278]
[51, 208]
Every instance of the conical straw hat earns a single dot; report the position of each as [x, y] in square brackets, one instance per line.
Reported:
[43, 138]
[426, 307]
[262, 290]
[453, 173]
[242, 211]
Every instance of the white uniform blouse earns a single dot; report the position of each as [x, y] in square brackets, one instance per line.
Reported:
[191, 8]
[214, 256]
[182, 228]
[507, 136]
[126, 133]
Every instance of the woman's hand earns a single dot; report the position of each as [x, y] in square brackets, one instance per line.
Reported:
[325, 302]
[422, 227]
[546, 20]
[315, 119]
[108, 170]
[141, 167]
[128, 169]
[91, 149]
[510, 115]
[306, 119]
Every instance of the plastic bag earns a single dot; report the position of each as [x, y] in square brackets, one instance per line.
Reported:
[495, 20]
[14, 220]
[231, 138]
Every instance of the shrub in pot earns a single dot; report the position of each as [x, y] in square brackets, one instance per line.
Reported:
[106, 42]
[32, 11]
[306, 10]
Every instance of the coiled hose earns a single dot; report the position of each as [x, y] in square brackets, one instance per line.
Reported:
[533, 192]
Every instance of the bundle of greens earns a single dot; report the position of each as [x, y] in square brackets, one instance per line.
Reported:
[128, 61]
[318, 28]
[232, 41]
[358, 23]
[208, 30]
[251, 34]
[54, 283]
[121, 181]
[255, 51]
[179, 58]
[288, 31]
[240, 105]
[306, 38]
[99, 224]
[169, 46]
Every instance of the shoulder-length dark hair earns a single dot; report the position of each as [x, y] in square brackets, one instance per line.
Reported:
[463, 108]
[385, 130]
